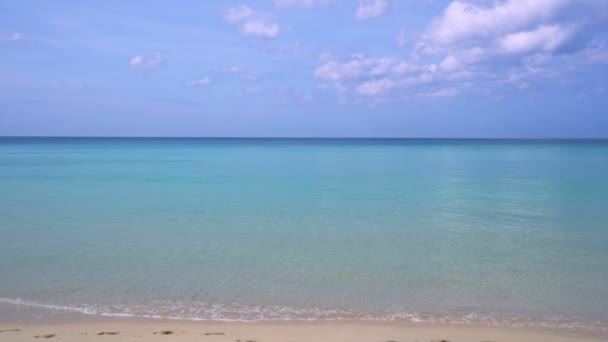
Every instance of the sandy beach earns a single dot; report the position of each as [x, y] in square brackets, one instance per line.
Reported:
[271, 332]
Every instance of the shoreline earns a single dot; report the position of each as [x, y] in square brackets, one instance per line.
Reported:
[27, 315]
[169, 330]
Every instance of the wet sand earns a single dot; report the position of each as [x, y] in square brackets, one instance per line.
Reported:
[177, 331]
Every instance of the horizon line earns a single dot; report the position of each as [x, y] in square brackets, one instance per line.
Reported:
[295, 137]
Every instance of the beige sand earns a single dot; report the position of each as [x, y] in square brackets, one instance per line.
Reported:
[269, 332]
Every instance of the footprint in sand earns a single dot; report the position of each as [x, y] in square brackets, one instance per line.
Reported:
[109, 333]
[45, 336]
[10, 330]
[214, 333]
[164, 332]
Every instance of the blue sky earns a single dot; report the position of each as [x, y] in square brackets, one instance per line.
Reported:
[371, 68]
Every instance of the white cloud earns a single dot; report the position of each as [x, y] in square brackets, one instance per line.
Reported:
[260, 28]
[465, 21]
[233, 69]
[140, 62]
[546, 38]
[374, 78]
[504, 27]
[497, 43]
[450, 63]
[238, 13]
[340, 88]
[439, 93]
[376, 87]
[248, 75]
[361, 67]
[404, 67]
[201, 82]
[301, 3]
[335, 71]
[495, 39]
[251, 22]
[462, 58]
[369, 9]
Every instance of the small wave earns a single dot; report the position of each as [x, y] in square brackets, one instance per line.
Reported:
[200, 311]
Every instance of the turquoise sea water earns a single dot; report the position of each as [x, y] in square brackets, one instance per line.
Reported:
[501, 232]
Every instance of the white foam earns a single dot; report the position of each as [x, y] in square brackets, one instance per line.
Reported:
[200, 311]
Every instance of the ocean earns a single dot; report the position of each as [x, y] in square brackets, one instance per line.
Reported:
[501, 232]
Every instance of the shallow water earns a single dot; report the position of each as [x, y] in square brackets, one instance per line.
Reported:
[445, 230]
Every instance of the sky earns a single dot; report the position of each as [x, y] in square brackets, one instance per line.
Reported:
[305, 68]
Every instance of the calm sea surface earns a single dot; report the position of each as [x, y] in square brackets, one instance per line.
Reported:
[501, 232]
